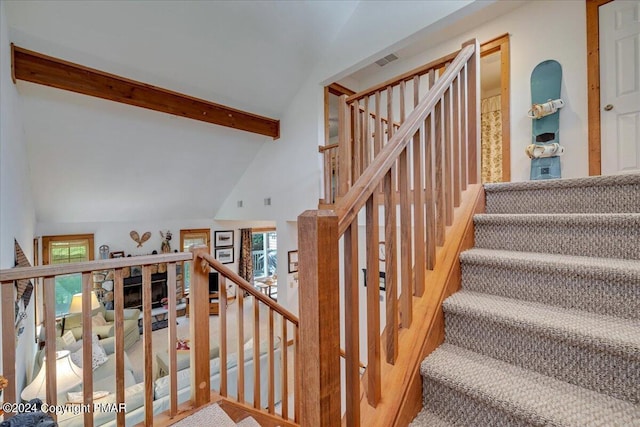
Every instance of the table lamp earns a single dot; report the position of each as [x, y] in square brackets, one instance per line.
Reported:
[76, 306]
[68, 375]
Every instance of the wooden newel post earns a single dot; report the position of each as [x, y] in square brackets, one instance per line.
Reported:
[199, 327]
[318, 299]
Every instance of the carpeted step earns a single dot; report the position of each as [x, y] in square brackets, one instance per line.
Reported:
[595, 235]
[597, 352]
[248, 422]
[213, 415]
[601, 194]
[468, 389]
[605, 286]
[428, 419]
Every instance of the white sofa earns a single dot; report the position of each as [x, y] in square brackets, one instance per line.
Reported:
[134, 395]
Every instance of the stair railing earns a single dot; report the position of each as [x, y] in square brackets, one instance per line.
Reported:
[404, 190]
[48, 273]
[281, 324]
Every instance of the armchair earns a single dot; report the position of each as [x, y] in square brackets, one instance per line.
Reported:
[106, 332]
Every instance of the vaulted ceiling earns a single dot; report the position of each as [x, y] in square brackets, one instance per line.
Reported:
[94, 160]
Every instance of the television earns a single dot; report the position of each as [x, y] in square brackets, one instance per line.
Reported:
[213, 282]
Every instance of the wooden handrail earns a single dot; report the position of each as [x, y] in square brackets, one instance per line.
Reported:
[324, 148]
[349, 206]
[11, 274]
[246, 286]
[419, 71]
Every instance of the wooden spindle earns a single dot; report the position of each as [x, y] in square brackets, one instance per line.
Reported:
[345, 146]
[118, 306]
[87, 347]
[240, 347]
[439, 180]
[9, 338]
[352, 324]
[147, 344]
[367, 141]
[418, 204]
[457, 188]
[284, 378]
[406, 251]
[199, 328]
[430, 208]
[473, 77]
[49, 296]
[464, 137]
[256, 353]
[271, 364]
[448, 150]
[172, 339]
[223, 334]
[391, 270]
[357, 142]
[374, 386]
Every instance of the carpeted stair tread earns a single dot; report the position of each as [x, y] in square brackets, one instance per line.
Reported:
[427, 418]
[610, 193]
[607, 286]
[248, 422]
[512, 393]
[621, 336]
[210, 415]
[598, 235]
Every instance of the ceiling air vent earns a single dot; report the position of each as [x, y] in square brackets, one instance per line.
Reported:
[384, 61]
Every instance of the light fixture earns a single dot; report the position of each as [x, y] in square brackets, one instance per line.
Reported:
[76, 306]
[68, 375]
[76, 303]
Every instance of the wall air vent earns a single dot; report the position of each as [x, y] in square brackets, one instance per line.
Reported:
[384, 61]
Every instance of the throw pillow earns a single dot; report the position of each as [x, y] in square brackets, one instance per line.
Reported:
[66, 340]
[98, 320]
[98, 355]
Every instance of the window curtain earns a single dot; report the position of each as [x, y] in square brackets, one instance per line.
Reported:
[491, 124]
[245, 269]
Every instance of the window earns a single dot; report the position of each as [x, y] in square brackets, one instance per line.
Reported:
[188, 238]
[63, 250]
[265, 253]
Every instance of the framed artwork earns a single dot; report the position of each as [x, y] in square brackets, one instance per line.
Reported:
[225, 255]
[382, 276]
[116, 254]
[293, 261]
[223, 239]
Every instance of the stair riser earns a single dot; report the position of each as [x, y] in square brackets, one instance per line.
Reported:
[605, 239]
[602, 293]
[462, 409]
[587, 365]
[598, 199]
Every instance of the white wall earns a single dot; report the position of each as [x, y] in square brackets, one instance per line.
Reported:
[17, 215]
[288, 170]
[539, 30]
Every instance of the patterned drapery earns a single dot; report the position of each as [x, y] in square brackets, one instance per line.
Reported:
[245, 267]
[491, 123]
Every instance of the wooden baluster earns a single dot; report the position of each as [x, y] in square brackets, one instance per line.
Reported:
[345, 146]
[199, 328]
[48, 298]
[271, 361]
[297, 384]
[284, 378]
[406, 269]
[118, 306]
[147, 344]
[439, 181]
[374, 386]
[223, 335]
[240, 348]
[473, 76]
[327, 175]
[430, 207]
[464, 165]
[391, 270]
[256, 353]
[172, 339]
[418, 204]
[357, 142]
[319, 320]
[87, 347]
[377, 140]
[9, 338]
[352, 324]
[448, 149]
[457, 196]
[367, 140]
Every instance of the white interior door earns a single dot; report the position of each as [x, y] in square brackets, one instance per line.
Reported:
[620, 86]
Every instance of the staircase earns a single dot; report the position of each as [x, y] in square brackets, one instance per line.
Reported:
[546, 327]
[214, 415]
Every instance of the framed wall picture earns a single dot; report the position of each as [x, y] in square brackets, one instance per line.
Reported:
[116, 254]
[223, 239]
[225, 255]
[293, 261]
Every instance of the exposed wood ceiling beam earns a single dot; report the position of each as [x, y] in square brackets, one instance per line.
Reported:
[45, 70]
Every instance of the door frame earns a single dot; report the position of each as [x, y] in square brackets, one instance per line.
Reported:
[501, 44]
[593, 84]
